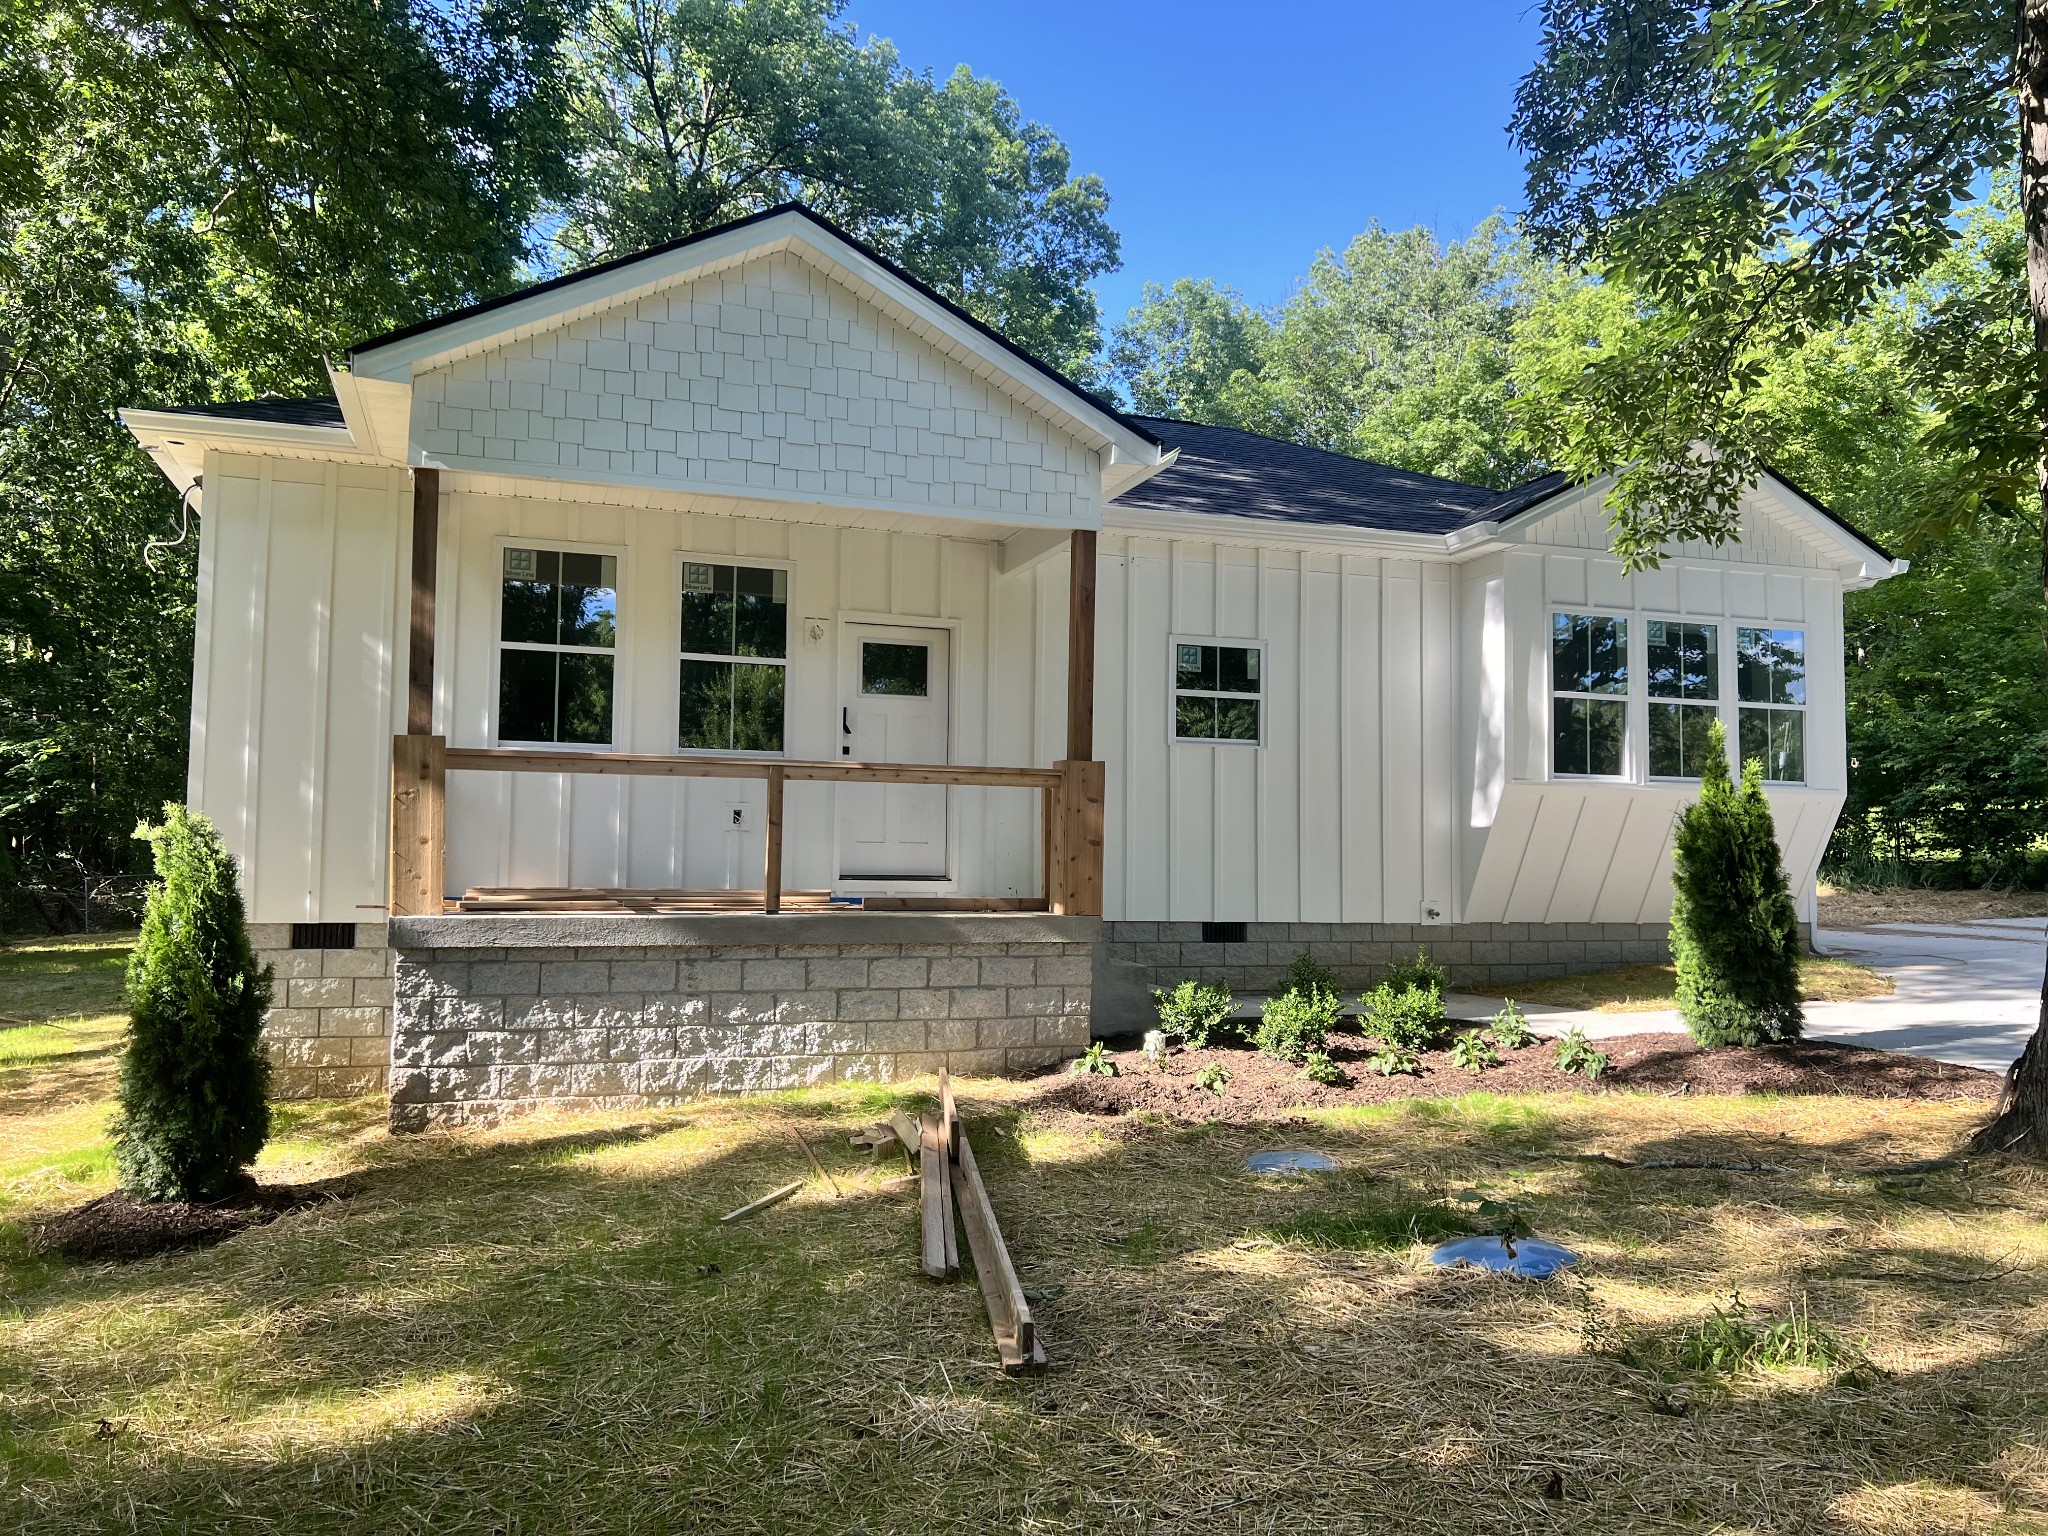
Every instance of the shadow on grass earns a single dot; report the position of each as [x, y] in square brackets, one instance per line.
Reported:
[550, 1331]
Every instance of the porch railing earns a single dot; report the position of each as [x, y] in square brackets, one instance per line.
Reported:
[1071, 793]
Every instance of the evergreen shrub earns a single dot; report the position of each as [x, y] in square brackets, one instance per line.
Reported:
[1734, 932]
[1296, 1025]
[194, 1079]
[1305, 973]
[1406, 1018]
[1195, 1011]
[1419, 972]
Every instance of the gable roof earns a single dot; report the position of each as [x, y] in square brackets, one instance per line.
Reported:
[401, 347]
[1225, 472]
[308, 411]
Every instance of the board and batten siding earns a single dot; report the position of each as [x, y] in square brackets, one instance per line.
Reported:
[1006, 701]
[1345, 813]
[300, 612]
[1534, 849]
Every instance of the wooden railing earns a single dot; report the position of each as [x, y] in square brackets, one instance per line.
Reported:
[1071, 791]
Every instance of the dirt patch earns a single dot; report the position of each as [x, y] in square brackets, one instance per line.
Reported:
[1841, 908]
[1261, 1088]
[119, 1227]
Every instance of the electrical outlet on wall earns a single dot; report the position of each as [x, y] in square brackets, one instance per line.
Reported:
[742, 818]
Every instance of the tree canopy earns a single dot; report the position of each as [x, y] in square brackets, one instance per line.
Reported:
[1395, 350]
[692, 112]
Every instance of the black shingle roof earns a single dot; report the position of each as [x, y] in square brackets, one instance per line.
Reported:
[1224, 472]
[316, 411]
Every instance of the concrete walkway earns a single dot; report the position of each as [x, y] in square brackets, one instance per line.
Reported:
[1967, 993]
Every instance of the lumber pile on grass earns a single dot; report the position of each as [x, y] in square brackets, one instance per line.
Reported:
[951, 1184]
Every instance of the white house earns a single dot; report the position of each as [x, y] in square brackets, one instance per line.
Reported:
[734, 665]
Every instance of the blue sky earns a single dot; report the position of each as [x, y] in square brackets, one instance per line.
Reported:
[1238, 139]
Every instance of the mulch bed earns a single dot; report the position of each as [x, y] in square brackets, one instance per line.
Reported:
[120, 1228]
[1261, 1088]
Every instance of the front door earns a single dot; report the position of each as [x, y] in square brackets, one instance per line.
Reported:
[893, 710]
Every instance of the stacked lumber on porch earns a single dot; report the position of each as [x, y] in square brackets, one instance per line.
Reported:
[951, 1183]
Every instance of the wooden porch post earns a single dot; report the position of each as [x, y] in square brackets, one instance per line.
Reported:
[1074, 855]
[419, 767]
[771, 879]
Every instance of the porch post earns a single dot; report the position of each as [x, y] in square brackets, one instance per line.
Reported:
[418, 825]
[426, 553]
[1074, 853]
[1081, 645]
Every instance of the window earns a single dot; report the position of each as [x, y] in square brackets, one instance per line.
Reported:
[901, 670]
[735, 648]
[1589, 681]
[558, 637]
[1684, 664]
[1216, 692]
[1770, 687]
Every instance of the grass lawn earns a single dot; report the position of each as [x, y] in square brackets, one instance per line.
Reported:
[543, 1329]
[1647, 988]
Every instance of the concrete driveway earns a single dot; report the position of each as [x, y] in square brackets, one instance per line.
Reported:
[1967, 993]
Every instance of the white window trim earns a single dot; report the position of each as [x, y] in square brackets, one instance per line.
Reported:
[1724, 656]
[499, 644]
[1738, 703]
[1631, 734]
[1173, 691]
[678, 656]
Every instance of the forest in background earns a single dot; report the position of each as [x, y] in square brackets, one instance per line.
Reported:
[203, 202]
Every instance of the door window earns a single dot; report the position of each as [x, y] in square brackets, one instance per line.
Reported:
[901, 670]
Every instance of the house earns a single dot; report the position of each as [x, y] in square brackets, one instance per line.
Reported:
[735, 666]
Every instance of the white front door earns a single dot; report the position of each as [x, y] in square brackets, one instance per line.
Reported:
[893, 710]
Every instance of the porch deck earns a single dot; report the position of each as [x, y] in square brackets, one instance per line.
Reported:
[610, 899]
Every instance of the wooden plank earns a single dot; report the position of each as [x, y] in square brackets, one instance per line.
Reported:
[426, 554]
[1077, 843]
[418, 825]
[953, 904]
[771, 878]
[773, 1197]
[949, 1115]
[1009, 1314]
[540, 760]
[941, 1257]
[1081, 644]
[1048, 816]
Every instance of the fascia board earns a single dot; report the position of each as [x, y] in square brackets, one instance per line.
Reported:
[178, 441]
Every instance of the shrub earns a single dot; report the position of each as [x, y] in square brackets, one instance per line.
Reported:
[1734, 933]
[1305, 973]
[1474, 1052]
[1409, 1017]
[1575, 1053]
[1093, 1062]
[1294, 1025]
[1510, 1028]
[1195, 1011]
[1419, 972]
[1215, 1077]
[194, 1079]
[1391, 1059]
[1320, 1069]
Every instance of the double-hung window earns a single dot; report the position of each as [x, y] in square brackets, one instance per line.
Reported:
[558, 637]
[735, 655]
[1685, 693]
[1770, 691]
[1216, 692]
[1589, 688]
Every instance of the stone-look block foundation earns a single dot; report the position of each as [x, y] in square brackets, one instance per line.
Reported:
[494, 1014]
[328, 1032]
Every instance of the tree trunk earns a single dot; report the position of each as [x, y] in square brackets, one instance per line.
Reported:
[2022, 1117]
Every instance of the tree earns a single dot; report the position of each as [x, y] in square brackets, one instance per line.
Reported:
[1192, 351]
[202, 201]
[1761, 172]
[1734, 932]
[1395, 350]
[692, 112]
[194, 1080]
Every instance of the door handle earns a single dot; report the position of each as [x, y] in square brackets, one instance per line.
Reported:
[845, 729]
